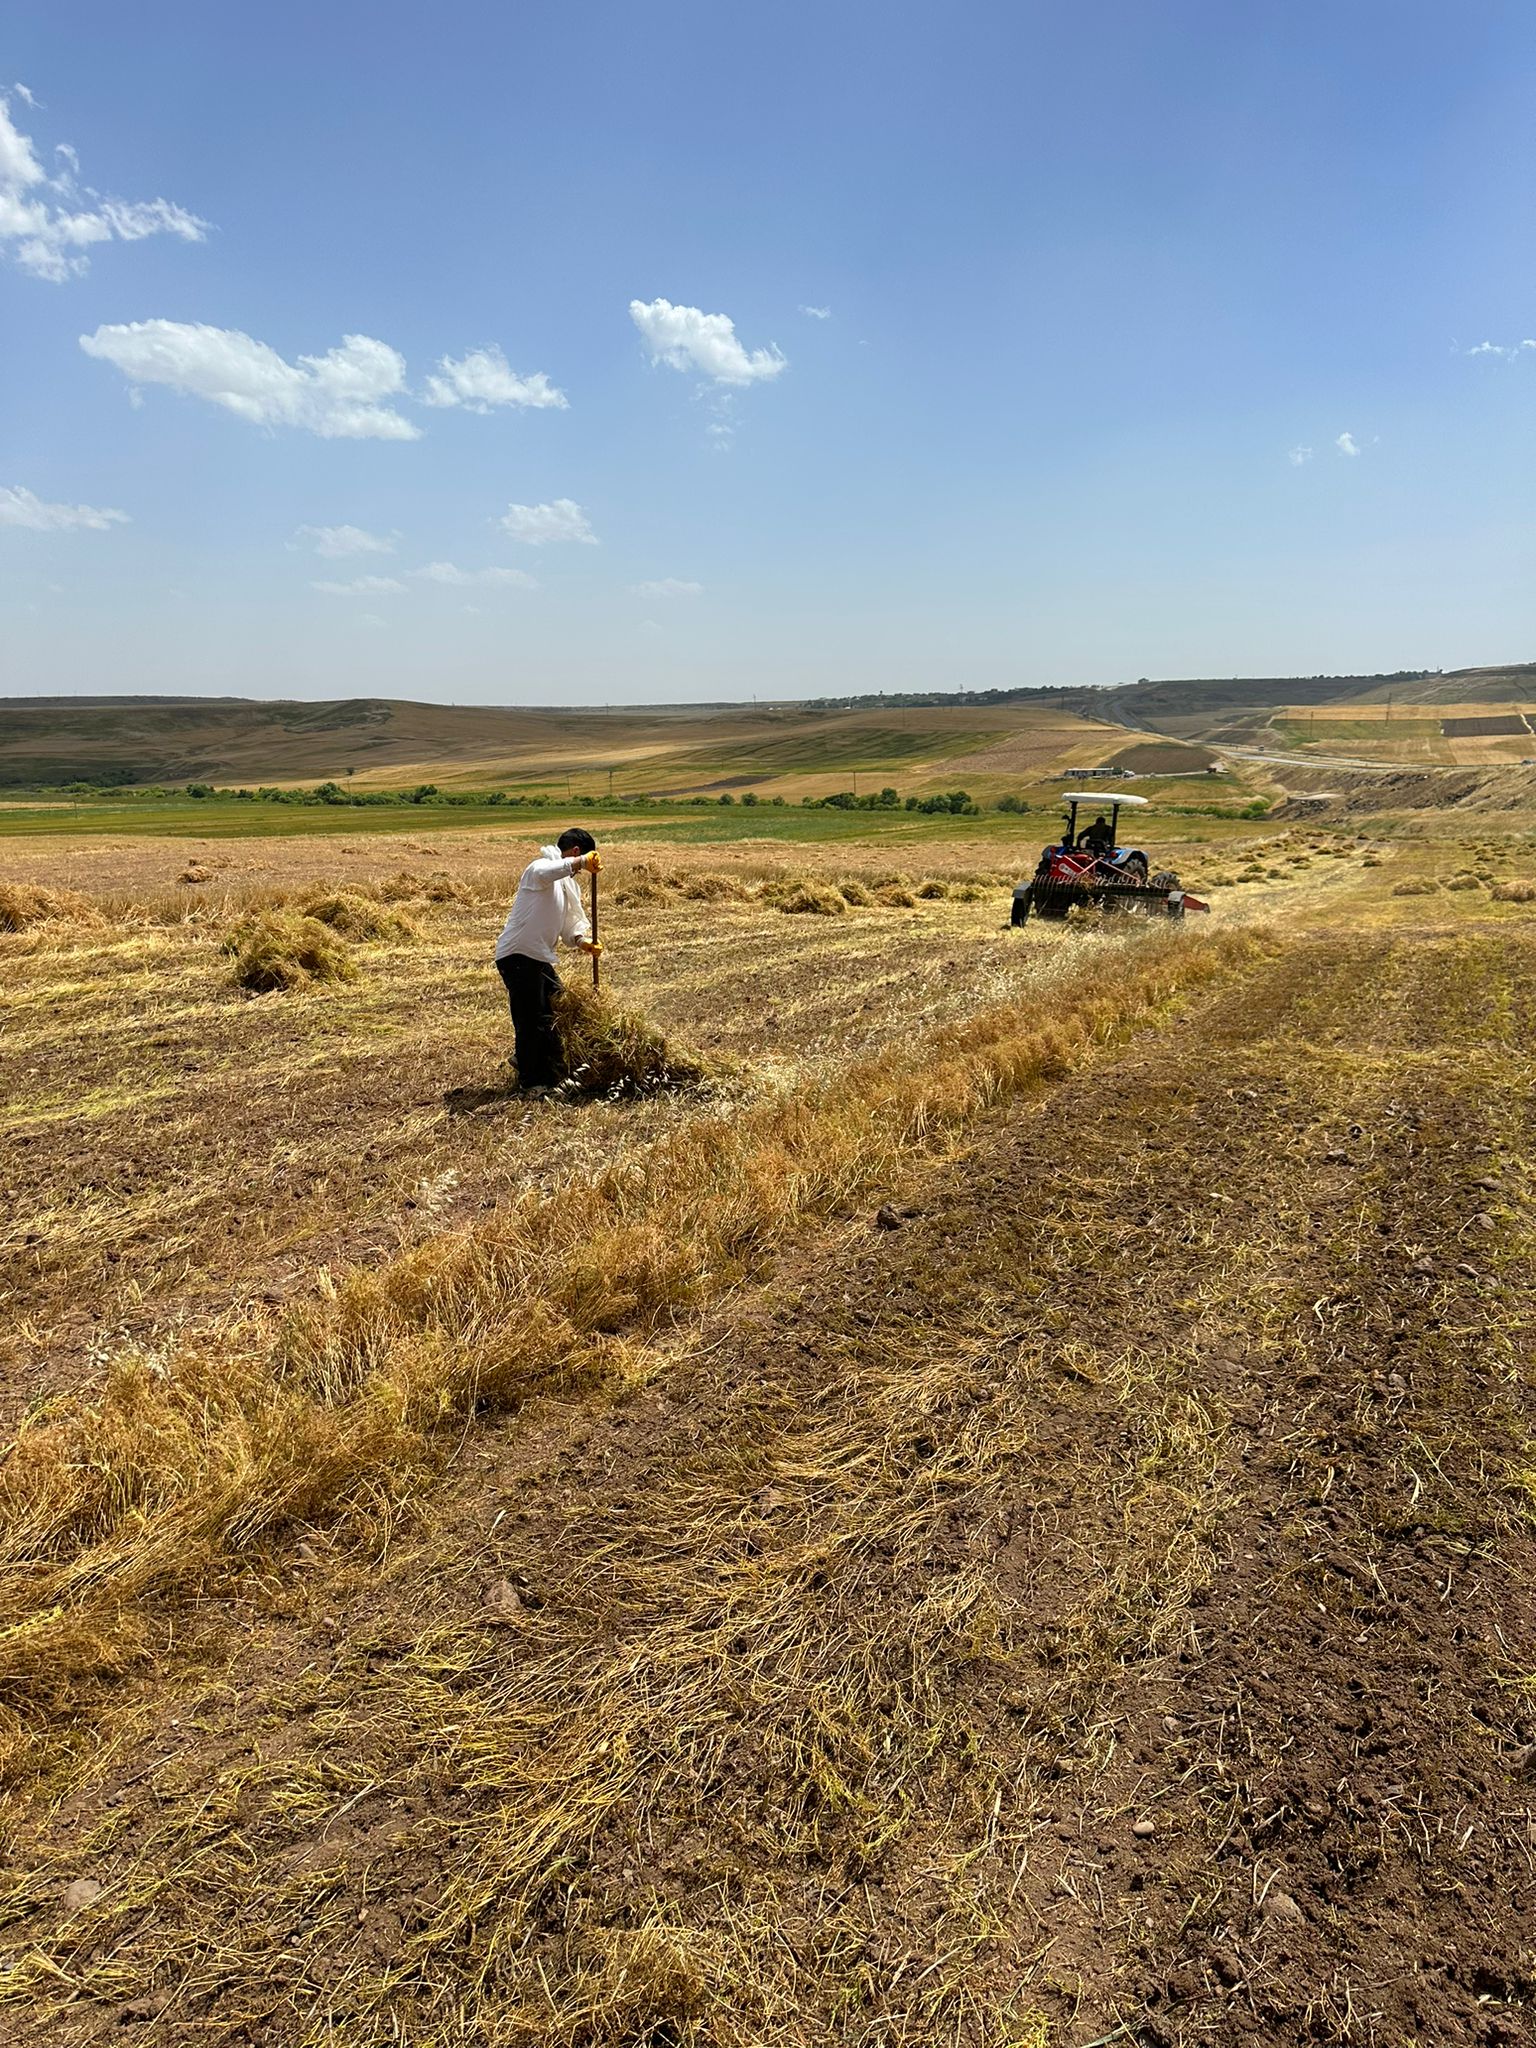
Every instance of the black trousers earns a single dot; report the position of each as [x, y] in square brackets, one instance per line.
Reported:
[531, 989]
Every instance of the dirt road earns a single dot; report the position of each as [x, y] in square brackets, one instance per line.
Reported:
[1092, 1605]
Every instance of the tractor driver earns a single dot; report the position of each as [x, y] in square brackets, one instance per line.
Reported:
[1097, 837]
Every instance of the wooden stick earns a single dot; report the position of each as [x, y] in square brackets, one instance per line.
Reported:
[596, 957]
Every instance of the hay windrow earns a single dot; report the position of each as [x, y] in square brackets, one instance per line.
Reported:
[804, 898]
[281, 950]
[434, 888]
[24, 904]
[358, 917]
[613, 1051]
[797, 894]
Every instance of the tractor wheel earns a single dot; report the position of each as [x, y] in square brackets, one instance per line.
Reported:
[1137, 865]
[1165, 878]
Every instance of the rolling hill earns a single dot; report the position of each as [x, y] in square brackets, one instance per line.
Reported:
[655, 750]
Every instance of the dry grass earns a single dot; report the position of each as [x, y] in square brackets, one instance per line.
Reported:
[811, 1696]
[359, 917]
[280, 951]
[434, 888]
[191, 1458]
[24, 904]
[809, 899]
[613, 1051]
[758, 1707]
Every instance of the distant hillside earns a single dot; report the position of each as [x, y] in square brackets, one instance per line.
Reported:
[1233, 709]
[239, 740]
[1515, 680]
[791, 749]
[1196, 704]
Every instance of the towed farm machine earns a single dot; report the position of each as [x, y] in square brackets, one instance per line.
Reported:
[1091, 870]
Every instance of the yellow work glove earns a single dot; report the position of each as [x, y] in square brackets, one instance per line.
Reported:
[590, 945]
[592, 861]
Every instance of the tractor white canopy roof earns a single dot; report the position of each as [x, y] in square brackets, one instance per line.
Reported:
[1099, 796]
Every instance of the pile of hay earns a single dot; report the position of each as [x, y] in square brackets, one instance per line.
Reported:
[24, 903]
[1515, 892]
[358, 917]
[281, 949]
[711, 888]
[613, 1051]
[801, 897]
[1420, 886]
[643, 895]
[435, 888]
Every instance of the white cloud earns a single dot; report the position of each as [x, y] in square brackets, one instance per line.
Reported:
[686, 339]
[1298, 455]
[817, 312]
[483, 379]
[535, 525]
[335, 395]
[667, 586]
[24, 94]
[1507, 352]
[362, 586]
[20, 507]
[458, 579]
[49, 222]
[1347, 444]
[336, 542]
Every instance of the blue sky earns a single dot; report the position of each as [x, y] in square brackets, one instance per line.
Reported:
[1097, 290]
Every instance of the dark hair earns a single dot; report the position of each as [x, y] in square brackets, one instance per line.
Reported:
[576, 841]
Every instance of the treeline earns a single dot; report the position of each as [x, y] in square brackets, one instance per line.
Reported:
[956, 801]
[952, 802]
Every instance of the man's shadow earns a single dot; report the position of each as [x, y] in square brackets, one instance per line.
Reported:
[483, 1101]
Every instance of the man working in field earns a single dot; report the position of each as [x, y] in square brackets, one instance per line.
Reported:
[546, 912]
[1097, 837]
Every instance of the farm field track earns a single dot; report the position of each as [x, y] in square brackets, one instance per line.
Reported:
[1091, 1602]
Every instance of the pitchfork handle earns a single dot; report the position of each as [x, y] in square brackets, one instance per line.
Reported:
[596, 969]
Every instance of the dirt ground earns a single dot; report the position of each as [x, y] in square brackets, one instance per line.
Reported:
[1079, 1591]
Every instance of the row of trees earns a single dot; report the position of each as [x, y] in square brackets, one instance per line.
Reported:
[954, 802]
[958, 802]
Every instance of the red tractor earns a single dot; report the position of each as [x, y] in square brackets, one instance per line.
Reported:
[1091, 870]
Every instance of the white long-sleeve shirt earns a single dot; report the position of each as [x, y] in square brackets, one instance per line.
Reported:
[546, 911]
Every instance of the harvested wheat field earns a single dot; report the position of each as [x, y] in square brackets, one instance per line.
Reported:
[993, 1509]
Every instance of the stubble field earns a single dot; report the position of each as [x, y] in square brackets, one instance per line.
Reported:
[1004, 1519]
